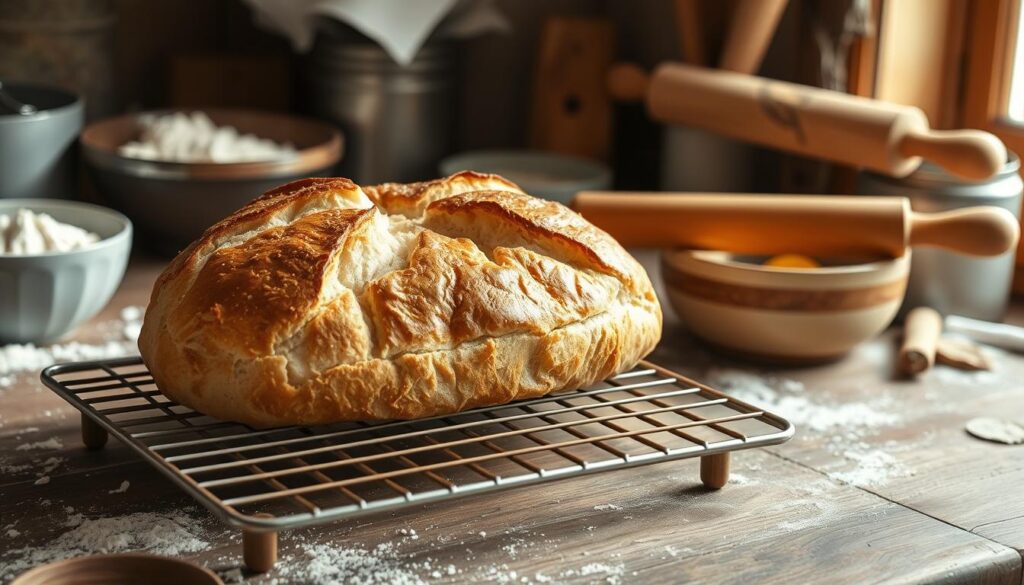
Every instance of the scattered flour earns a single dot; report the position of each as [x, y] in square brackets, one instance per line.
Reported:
[611, 573]
[776, 395]
[169, 535]
[18, 358]
[326, 564]
[10, 469]
[675, 552]
[51, 443]
[122, 488]
[872, 467]
[843, 425]
[606, 507]
[51, 464]
[739, 479]
[13, 533]
[809, 505]
[947, 375]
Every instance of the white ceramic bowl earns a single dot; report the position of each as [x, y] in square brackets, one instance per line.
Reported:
[553, 176]
[785, 315]
[43, 296]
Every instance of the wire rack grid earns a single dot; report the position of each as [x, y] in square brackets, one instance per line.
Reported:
[266, 480]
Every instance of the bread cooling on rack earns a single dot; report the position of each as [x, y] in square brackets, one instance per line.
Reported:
[322, 302]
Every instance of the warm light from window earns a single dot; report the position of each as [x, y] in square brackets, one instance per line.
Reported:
[1016, 105]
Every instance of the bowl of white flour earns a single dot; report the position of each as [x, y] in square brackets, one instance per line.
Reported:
[175, 173]
[60, 263]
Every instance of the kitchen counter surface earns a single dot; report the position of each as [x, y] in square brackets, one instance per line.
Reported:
[880, 484]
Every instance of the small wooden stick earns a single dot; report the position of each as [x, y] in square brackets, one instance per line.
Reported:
[93, 435]
[714, 470]
[259, 549]
[920, 335]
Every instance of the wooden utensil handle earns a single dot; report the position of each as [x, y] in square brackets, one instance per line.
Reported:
[978, 231]
[973, 154]
[815, 225]
[921, 333]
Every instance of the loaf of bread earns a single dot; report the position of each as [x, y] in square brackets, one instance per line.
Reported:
[321, 302]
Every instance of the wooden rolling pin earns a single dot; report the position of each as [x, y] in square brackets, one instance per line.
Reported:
[814, 225]
[885, 137]
[921, 331]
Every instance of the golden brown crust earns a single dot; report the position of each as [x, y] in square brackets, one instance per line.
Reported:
[317, 303]
[410, 199]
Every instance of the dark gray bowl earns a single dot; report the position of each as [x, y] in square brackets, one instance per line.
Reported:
[38, 149]
[173, 203]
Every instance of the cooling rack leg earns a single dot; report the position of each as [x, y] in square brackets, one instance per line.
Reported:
[259, 549]
[714, 470]
[93, 435]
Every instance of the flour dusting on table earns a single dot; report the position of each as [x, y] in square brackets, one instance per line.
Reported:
[843, 425]
[175, 534]
[788, 398]
[122, 340]
[871, 467]
[325, 564]
[52, 443]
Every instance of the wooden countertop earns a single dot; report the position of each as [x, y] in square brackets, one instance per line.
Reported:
[919, 500]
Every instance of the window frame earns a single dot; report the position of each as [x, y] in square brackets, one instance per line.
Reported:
[991, 24]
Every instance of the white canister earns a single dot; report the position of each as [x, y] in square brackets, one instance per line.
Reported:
[951, 283]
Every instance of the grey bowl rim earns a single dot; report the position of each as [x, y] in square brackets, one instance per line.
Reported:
[110, 241]
[77, 106]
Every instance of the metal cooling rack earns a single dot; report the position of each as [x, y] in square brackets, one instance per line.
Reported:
[266, 480]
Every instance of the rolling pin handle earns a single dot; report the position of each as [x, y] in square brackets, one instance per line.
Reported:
[627, 82]
[972, 154]
[977, 231]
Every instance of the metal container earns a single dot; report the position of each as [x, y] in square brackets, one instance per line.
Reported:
[948, 282]
[397, 121]
[37, 151]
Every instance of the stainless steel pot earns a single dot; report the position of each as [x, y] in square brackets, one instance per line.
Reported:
[948, 282]
[397, 121]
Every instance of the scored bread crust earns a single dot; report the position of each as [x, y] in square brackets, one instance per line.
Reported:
[321, 302]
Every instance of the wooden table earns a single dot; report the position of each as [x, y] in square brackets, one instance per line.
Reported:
[947, 509]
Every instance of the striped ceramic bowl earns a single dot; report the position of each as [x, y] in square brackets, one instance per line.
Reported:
[785, 315]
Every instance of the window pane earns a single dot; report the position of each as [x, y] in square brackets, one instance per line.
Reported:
[1016, 109]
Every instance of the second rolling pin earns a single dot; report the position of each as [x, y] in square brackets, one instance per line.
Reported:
[822, 226]
[885, 137]
[921, 332]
